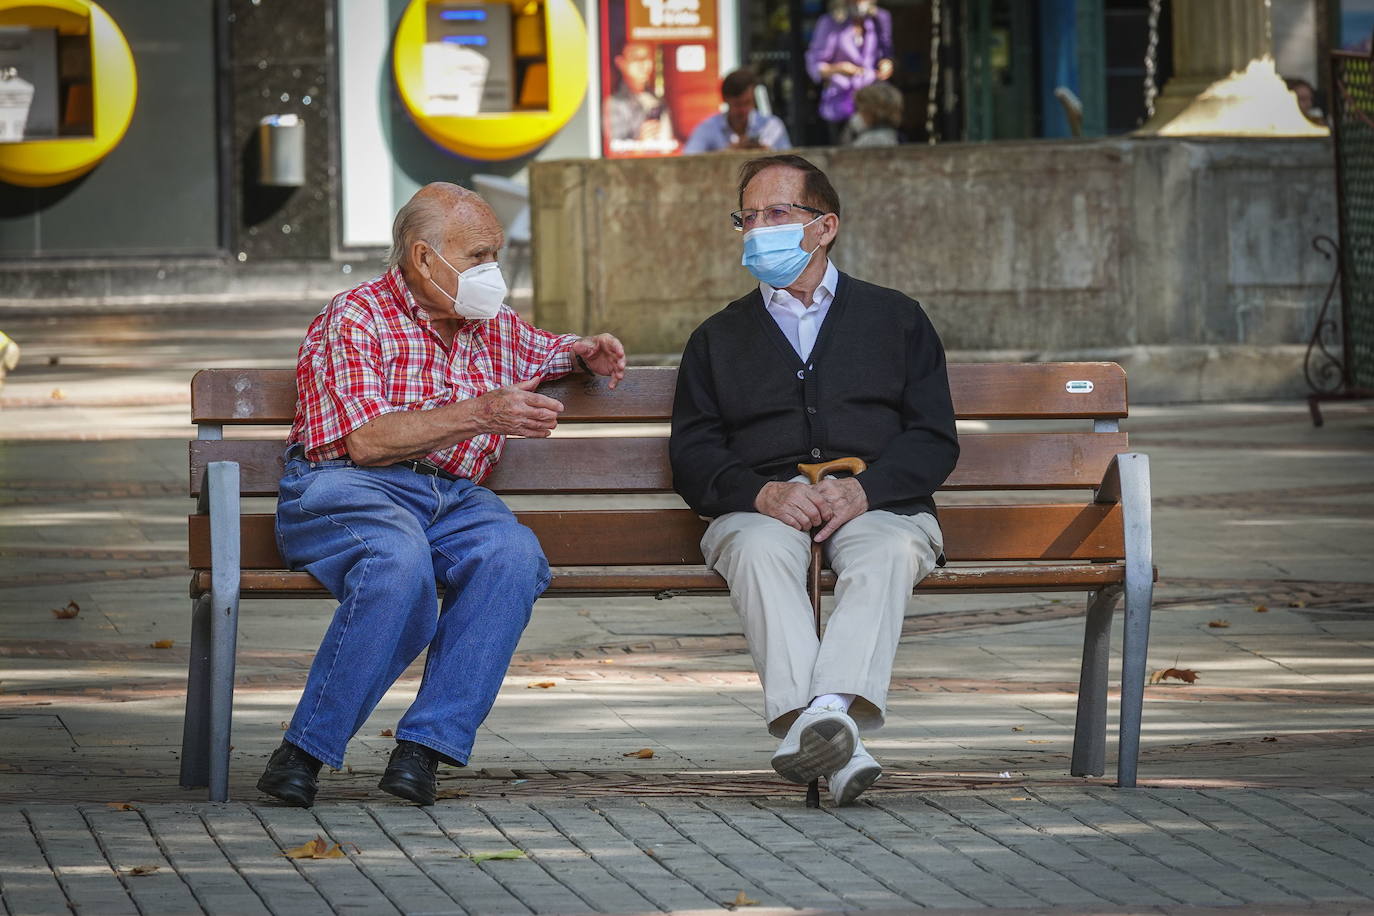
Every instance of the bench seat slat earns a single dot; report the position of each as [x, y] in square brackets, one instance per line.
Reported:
[659, 537]
[637, 464]
[980, 391]
[649, 580]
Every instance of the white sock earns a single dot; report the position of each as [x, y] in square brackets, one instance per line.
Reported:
[843, 699]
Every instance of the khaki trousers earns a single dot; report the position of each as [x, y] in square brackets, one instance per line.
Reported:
[878, 558]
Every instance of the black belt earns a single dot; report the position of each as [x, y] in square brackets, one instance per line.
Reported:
[429, 470]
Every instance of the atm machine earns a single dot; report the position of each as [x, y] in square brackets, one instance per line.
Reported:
[469, 61]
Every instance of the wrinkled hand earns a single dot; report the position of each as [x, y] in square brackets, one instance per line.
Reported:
[604, 355]
[842, 500]
[517, 410]
[794, 504]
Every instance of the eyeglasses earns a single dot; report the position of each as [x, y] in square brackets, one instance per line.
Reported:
[772, 215]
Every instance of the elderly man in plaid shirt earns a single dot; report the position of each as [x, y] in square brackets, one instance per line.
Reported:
[409, 385]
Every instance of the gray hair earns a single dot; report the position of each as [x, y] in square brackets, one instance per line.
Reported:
[418, 221]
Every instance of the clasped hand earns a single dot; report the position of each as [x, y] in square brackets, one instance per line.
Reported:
[826, 505]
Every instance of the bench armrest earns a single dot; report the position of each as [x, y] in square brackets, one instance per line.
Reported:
[1124, 474]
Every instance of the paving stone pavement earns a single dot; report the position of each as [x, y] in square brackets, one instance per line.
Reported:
[1066, 849]
[1257, 792]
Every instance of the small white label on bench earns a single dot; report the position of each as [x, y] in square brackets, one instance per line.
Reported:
[1078, 386]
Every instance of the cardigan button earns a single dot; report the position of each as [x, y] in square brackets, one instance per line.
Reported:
[810, 410]
[815, 453]
[801, 374]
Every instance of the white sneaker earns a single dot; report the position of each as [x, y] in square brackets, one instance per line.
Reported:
[849, 781]
[819, 742]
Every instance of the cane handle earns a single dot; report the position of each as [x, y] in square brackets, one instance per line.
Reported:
[814, 472]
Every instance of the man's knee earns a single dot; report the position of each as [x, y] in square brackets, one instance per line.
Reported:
[885, 543]
[764, 547]
[513, 549]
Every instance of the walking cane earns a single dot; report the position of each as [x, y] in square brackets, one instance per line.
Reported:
[814, 473]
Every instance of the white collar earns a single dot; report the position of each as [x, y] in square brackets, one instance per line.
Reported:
[829, 283]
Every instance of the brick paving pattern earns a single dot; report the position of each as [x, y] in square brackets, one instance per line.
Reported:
[1078, 849]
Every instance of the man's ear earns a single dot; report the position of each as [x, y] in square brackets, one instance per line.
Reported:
[420, 258]
[830, 228]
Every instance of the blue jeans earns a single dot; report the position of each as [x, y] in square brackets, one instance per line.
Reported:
[379, 539]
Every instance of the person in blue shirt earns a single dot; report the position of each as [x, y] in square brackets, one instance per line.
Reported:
[740, 125]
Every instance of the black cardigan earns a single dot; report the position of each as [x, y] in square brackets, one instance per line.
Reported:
[747, 409]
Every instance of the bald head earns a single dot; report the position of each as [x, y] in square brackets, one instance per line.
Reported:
[434, 215]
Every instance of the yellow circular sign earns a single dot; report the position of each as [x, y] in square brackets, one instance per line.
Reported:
[114, 87]
[495, 136]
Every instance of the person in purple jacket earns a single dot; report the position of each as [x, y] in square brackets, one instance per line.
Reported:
[850, 49]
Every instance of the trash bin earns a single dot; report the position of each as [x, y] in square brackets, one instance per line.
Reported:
[281, 151]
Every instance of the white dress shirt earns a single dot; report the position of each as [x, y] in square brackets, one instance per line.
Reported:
[801, 323]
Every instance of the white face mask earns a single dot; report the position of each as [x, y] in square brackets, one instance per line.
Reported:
[481, 289]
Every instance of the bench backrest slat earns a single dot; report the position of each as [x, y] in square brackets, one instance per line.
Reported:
[1004, 461]
[980, 391]
[662, 537]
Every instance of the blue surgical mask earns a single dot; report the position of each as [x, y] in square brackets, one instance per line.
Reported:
[774, 254]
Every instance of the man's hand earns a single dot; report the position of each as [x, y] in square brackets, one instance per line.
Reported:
[841, 500]
[884, 69]
[794, 504]
[517, 410]
[604, 355]
[653, 129]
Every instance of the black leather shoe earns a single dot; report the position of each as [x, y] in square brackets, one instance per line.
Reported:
[412, 773]
[292, 775]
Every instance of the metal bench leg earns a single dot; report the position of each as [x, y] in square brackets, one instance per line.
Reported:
[224, 617]
[195, 728]
[1135, 641]
[1090, 725]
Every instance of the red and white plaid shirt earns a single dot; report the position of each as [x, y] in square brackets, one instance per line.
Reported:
[373, 350]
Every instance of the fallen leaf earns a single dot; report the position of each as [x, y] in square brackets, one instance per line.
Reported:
[1261, 608]
[283, 725]
[1019, 798]
[1219, 624]
[54, 360]
[542, 685]
[584, 613]
[1187, 675]
[742, 899]
[386, 733]
[1037, 741]
[140, 870]
[162, 644]
[605, 661]
[68, 612]
[1269, 738]
[58, 394]
[452, 793]
[503, 854]
[650, 852]
[120, 806]
[1297, 604]
[1018, 728]
[644, 753]
[316, 849]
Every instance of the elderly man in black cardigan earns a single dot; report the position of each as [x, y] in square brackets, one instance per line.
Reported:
[809, 366]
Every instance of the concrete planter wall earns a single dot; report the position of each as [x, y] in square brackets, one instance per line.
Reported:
[1189, 261]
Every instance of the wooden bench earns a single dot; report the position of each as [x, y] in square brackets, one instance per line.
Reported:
[1097, 542]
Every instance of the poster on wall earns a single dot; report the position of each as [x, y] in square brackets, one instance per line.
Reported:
[659, 74]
